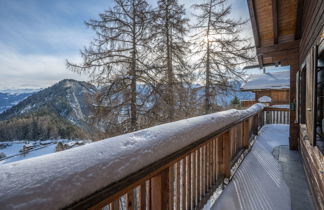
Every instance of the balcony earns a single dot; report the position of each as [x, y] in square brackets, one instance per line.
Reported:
[179, 165]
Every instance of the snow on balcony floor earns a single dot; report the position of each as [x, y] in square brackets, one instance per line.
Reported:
[258, 183]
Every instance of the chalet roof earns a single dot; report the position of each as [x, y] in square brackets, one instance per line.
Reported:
[276, 28]
[268, 81]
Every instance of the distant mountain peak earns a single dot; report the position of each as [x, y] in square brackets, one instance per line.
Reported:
[69, 101]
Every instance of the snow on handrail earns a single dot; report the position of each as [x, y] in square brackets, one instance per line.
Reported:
[56, 180]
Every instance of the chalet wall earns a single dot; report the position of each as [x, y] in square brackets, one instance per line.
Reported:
[277, 96]
[313, 165]
[312, 30]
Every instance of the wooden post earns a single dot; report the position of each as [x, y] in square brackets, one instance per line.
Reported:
[226, 154]
[246, 136]
[160, 191]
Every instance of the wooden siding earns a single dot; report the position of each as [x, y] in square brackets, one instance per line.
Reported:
[314, 167]
[275, 21]
[312, 26]
[310, 70]
[247, 103]
[287, 10]
[263, 9]
[277, 96]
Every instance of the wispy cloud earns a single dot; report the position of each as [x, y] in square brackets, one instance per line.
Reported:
[37, 37]
[33, 71]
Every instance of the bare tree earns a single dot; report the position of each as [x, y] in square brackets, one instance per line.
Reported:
[219, 48]
[116, 57]
[169, 29]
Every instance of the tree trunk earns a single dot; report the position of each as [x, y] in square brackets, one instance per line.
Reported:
[207, 87]
[133, 76]
[170, 76]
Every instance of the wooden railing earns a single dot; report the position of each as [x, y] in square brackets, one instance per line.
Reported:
[272, 115]
[183, 180]
[201, 154]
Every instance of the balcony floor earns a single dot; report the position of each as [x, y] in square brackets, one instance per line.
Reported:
[270, 177]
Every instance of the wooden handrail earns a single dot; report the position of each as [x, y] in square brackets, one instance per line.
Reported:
[275, 109]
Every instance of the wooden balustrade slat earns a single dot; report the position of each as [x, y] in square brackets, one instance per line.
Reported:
[150, 194]
[220, 164]
[178, 198]
[130, 200]
[199, 173]
[142, 196]
[214, 160]
[183, 179]
[210, 164]
[205, 169]
[189, 181]
[114, 205]
[160, 191]
[194, 179]
[203, 177]
[171, 186]
[226, 154]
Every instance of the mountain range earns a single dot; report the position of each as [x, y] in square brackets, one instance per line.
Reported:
[65, 110]
[9, 98]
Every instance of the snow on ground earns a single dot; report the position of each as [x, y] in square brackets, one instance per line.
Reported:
[258, 183]
[274, 80]
[13, 153]
[35, 153]
[57, 179]
[274, 135]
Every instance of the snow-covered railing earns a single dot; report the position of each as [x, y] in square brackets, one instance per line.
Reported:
[170, 166]
[275, 115]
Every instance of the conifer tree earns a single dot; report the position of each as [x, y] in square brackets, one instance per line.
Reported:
[116, 57]
[169, 31]
[219, 47]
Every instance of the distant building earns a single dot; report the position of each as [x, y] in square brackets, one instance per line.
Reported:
[272, 87]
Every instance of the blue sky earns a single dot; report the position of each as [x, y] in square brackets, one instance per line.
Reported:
[37, 36]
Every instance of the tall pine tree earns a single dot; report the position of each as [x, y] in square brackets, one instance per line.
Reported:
[219, 47]
[116, 57]
[169, 29]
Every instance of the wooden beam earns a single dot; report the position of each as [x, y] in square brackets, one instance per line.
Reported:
[299, 18]
[254, 23]
[278, 47]
[275, 20]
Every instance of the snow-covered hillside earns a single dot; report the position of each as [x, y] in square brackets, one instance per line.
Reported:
[12, 151]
